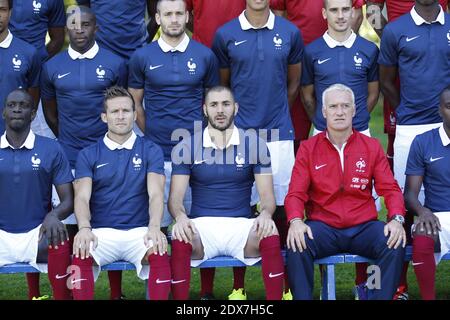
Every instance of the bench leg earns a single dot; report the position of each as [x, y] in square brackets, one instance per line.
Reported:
[329, 283]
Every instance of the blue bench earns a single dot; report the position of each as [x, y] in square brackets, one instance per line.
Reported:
[328, 279]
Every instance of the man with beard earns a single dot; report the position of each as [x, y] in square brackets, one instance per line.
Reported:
[170, 75]
[221, 166]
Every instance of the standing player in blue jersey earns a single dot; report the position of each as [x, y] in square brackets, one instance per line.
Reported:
[29, 165]
[428, 164]
[30, 21]
[340, 56]
[73, 83]
[121, 24]
[415, 44]
[260, 59]
[20, 65]
[221, 164]
[170, 75]
[119, 200]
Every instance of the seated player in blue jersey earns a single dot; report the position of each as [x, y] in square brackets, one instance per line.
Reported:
[220, 164]
[428, 164]
[29, 165]
[119, 193]
[331, 186]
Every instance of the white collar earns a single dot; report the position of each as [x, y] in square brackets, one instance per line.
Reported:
[7, 42]
[444, 137]
[29, 142]
[207, 142]
[112, 145]
[333, 43]
[418, 20]
[90, 54]
[182, 46]
[245, 24]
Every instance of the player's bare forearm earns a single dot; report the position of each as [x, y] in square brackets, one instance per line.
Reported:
[387, 83]
[309, 101]
[83, 189]
[56, 41]
[293, 82]
[155, 187]
[372, 97]
[50, 110]
[66, 205]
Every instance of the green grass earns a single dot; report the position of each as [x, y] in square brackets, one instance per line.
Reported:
[14, 286]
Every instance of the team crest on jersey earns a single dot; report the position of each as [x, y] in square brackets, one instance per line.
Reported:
[239, 161]
[278, 42]
[100, 72]
[37, 6]
[358, 61]
[35, 162]
[448, 37]
[192, 66]
[137, 162]
[16, 62]
[360, 165]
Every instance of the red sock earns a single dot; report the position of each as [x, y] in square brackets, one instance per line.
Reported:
[159, 279]
[360, 273]
[58, 273]
[180, 264]
[272, 267]
[424, 265]
[207, 280]
[33, 285]
[239, 277]
[82, 279]
[115, 283]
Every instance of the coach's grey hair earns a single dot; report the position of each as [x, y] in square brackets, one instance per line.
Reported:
[337, 87]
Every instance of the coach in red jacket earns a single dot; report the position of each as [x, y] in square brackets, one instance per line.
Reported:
[332, 185]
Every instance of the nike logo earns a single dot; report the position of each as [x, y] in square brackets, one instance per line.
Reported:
[178, 281]
[61, 277]
[162, 281]
[236, 43]
[102, 165]
[417, 263]
[321, 166]
[408, 39]
[275, 275]
[435, 159]
[199, 161]
[323, 61]
[77, 280]
[63, 75]
[155, 67]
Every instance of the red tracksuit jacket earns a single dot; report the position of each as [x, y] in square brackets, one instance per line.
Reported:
[341, 198]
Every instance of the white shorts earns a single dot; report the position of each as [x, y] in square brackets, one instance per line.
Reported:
[187, 202]
[222, 236]
[404, 135]
[115, 245]
[71, 219]
[444, 235]
[21, 247]
[282, 160]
